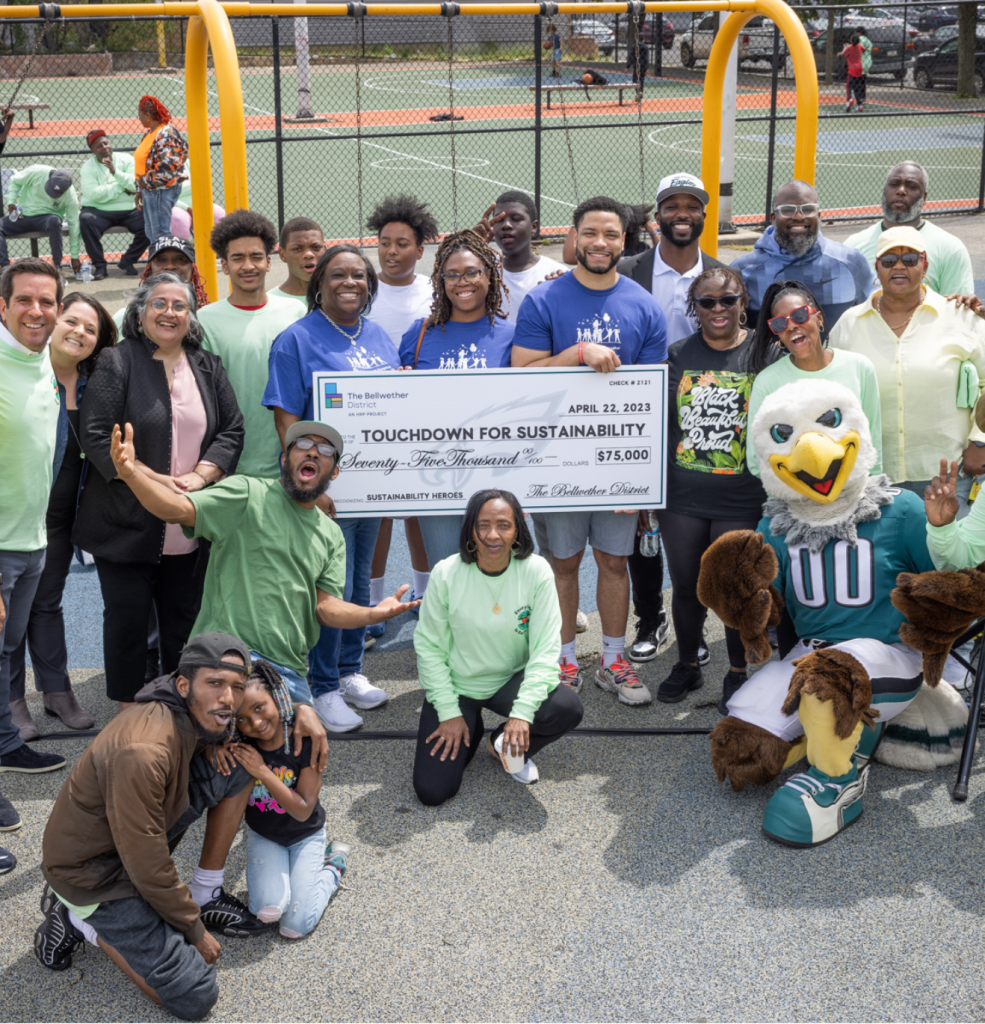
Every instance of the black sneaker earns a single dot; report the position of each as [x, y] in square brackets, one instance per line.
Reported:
[7, 861]
[9, 818]
[24, 759]
[56, 938]
[730, 684]
[682, 679]
[229, 916]
[129, 269]
[704, 655]
[650, 637]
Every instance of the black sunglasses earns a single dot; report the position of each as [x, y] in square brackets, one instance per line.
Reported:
[778, 324]
[890, 259]
[725, 301]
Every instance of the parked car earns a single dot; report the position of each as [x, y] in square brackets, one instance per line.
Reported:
[888, 51]
[646, 35]
[590, 28]
[755, 41]
[933, 18]
[940, 66]
[931, 40]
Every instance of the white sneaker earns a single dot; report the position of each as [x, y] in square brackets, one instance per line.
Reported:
[581, 622]
[361, 693]
[335, 714]
[528, 774]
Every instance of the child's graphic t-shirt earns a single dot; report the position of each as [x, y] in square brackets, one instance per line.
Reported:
[265, 816]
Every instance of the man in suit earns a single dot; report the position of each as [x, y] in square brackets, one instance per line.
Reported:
[666, 271]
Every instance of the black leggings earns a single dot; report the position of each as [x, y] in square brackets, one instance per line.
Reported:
[436, 781]
[647, 575]
[686, 539]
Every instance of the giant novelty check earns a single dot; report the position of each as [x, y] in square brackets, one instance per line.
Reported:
[561, 439]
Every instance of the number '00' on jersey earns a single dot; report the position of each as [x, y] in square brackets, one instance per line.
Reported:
[842, 592]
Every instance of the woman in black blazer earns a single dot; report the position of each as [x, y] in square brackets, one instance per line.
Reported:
[188, 433]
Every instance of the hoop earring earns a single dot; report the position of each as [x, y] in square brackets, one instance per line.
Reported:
[470, 546]
[318, 297]
[516, 547]
[743, 319]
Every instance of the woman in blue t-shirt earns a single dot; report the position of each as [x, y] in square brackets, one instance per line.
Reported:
[466, 331]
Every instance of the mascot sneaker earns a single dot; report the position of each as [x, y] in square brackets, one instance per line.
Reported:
[620, 679]
[812, 807]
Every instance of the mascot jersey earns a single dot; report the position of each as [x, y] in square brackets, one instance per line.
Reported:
[842, 591]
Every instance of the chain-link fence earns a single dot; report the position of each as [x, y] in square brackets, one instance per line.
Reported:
[458, 110]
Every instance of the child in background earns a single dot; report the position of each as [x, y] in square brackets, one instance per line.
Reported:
[855, 80]
[290, 874]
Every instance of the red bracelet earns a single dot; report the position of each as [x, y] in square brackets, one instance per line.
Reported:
[581, 362]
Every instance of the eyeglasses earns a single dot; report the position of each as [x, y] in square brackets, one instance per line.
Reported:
[470, 275]
[789, 210]
[725, 301]
[778, 324]
[909, 259]
[305, 444]
[161, 305]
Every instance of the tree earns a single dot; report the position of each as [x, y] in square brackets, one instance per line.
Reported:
[967, 25]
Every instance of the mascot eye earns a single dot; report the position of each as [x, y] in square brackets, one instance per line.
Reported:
[832, 418]
[780, 432]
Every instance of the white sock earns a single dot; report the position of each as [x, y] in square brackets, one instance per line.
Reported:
[204, 884]
[376, 591]
[420, 583]
[612, 648]
[568, 653]
[83, 926]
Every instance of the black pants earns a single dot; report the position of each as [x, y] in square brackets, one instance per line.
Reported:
[855, 86]
[46, 627]
[436, 781]
[129, 588]
[50, 222]
[647, 575]
[94, 224]
[686, 539]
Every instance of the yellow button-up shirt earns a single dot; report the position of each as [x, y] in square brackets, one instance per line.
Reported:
[918, 376]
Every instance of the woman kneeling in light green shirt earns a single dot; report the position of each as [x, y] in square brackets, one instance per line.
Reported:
[489, 636]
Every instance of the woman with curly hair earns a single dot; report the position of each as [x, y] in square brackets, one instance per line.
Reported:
[709, 487]
[466, 330]
[159, 162]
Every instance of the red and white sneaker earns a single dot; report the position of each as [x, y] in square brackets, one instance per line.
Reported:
[570, 675]
[620, 679]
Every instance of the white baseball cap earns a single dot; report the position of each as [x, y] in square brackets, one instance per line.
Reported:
[687, 183]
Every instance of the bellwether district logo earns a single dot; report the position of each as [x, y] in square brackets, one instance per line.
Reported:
[333, 400]
[523, 619]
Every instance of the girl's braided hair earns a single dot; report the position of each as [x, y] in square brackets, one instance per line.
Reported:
[270, 679]
[465, 241]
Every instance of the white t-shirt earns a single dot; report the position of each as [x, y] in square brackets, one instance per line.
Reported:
[522, 282]
[670, 290]
[396, 308]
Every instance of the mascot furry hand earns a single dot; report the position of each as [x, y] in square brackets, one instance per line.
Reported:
[830, 547]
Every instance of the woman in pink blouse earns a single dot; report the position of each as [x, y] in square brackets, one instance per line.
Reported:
[188, 433]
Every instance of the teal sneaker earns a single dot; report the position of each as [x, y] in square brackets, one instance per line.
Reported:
[337, 856]
[868, 744]
[811, 807]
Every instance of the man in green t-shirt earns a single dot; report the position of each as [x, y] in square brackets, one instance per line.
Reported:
[300, 246]
[277, 568]
[40, 198]
[241, 329]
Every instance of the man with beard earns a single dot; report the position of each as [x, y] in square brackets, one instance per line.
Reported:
[277, 568]
[593, 317]
[793, 248]
[107, 848]
[948, 263]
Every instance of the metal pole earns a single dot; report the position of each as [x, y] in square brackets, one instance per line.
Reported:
[278, 133]
[362, 35]
[657, 38]
[902, 49]
[772, 150]
[615, 55]
[538, 77]
[303, 65]
[981, 179]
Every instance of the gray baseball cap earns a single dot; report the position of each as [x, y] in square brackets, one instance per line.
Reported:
[209, 650]
[58, 183]
[305, 427]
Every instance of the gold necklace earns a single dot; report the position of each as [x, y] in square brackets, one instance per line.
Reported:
[496, 608]
[345, 334]
[906, 322]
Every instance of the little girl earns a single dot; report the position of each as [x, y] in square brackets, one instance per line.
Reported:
[290, 874]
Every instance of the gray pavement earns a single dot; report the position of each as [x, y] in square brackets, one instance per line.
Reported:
[627, 885]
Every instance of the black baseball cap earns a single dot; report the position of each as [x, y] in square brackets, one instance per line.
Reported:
[58, 183]
[209, 650]
[171, 242]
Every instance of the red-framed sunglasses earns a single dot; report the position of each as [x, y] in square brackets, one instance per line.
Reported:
[778, 324]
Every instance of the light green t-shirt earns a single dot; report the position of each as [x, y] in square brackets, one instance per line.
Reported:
[268, 556]
[302, 299]
[465, 649]
[28, 425]
[242, 338]
[949, 269]
[849, 368]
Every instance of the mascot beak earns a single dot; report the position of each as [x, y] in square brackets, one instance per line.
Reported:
[818, 465]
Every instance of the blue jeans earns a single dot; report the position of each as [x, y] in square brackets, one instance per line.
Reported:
[158, 204]
[440, 535]
[296, 683]
[339, 652]
[289, 884]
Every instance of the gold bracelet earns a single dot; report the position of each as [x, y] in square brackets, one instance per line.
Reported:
[202, 476]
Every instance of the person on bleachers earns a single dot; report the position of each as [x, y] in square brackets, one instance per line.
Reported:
[40, 198]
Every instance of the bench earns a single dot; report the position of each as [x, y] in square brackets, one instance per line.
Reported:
[35, 235]
[30, 108]
[621, 87]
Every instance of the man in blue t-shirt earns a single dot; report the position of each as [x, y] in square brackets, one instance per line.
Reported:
[593, 317]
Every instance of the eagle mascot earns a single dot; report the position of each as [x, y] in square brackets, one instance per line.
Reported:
[846, 554]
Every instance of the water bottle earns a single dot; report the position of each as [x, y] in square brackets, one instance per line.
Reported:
[16, 214]
[650, 540]
[85, 275]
